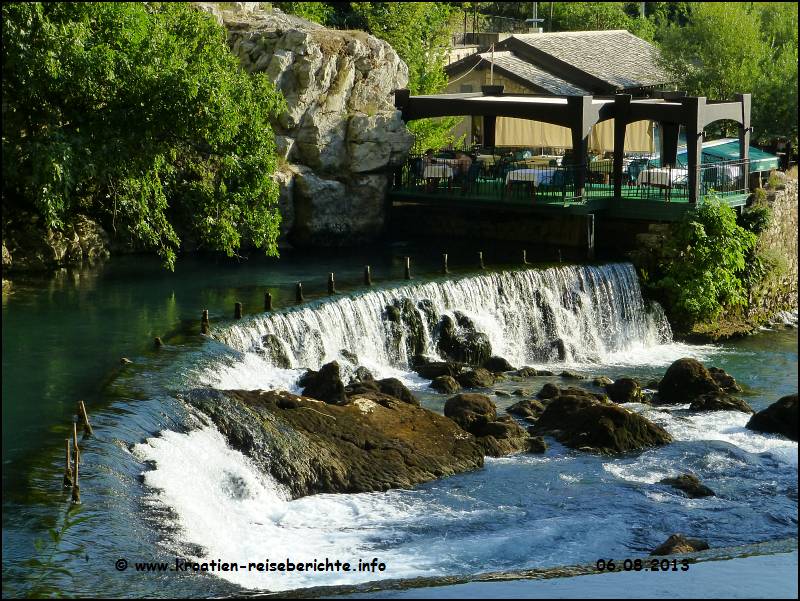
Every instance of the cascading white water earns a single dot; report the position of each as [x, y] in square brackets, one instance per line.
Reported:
[594, 311]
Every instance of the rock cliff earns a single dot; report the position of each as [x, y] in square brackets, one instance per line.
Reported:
[340, 134]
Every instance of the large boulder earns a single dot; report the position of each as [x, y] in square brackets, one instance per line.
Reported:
[406, 327]
[778, 418]
[677, 544]
[395, 388]
[588, 423]
[460, 341]
[435, 369]
[372, 444]
[497, 365]
[325, 385]
[685, 380]
[340, 133]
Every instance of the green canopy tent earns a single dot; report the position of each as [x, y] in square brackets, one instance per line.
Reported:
[727, 149]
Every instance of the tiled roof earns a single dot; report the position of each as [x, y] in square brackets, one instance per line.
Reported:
[616, 56]
[532, 74]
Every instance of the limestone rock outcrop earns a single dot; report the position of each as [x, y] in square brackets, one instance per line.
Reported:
[340, 135]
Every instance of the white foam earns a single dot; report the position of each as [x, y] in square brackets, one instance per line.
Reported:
[236, 514]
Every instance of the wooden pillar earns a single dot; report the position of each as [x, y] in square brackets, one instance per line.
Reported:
[622, 103]
[744, 127]
[590, 237]
[695, 109]
[669, 143]
[581, 128]
[489, 123]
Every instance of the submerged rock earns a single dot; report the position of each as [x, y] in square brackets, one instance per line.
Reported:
[586, 422]
[445, 384]
[470, 410]
[572, 375]
[719, 401]
[677, 543]
[624, 390]
[778, 418]
[526, 408]
[476, 378]
[371, 444]
[407, 326]
[273, 349]
[724, 380]
[548, 391]
[477, 414]
[362, 374]
[325, 385]
[602, 381]
[690, 485]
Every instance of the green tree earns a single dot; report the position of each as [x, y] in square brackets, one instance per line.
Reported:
[319, 12]
[420, 34]
[704, 262]
[734, 47]
[138, 114]
[582, 16]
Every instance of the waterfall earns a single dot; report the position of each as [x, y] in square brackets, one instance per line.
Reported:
[570, 314]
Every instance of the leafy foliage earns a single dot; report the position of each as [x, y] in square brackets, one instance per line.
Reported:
[137, 113]
[704, 261]
[730, 47]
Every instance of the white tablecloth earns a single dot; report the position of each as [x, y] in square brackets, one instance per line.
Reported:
[437, 171]
[662, 177]
[535, 176]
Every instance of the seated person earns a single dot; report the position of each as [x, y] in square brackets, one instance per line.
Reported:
[428, 159]
[463, 163]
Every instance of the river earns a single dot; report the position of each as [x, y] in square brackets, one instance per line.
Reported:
[157, 482]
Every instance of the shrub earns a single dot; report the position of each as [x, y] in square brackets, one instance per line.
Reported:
[703, 263]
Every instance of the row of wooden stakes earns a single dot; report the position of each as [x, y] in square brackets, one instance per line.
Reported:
[71, 471]
[299, 298]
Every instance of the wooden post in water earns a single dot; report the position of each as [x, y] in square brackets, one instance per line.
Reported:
[444, 263]
[267, 301]
[75, 444]
[480, 260]
[331, 284]
[298, 292]
[367, 276]
[408, 268]
[76, 487]
[559, 255]
[157, 342]
[524, 257]
[87, 427]
[237, 311]
[204, 322]
[68, 466]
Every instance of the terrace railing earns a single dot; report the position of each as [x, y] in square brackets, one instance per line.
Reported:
[545, 180]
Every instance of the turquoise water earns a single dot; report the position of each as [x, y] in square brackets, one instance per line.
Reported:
[63, 338]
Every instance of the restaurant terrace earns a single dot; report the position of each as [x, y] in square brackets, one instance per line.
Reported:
[616, 184]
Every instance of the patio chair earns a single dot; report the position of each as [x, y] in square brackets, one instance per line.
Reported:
[634, 169]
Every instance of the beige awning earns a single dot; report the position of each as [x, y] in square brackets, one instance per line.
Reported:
[510, 131]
